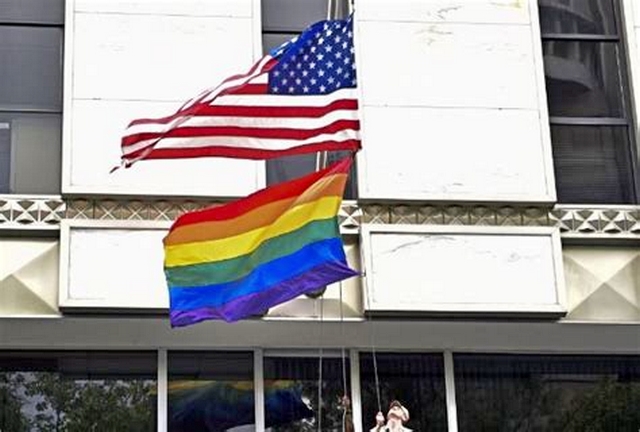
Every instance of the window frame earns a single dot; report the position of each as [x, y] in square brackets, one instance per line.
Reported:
[628, 121]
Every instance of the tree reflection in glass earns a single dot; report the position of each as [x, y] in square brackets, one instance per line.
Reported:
[291, 393]
[59, 400]
[512, 393]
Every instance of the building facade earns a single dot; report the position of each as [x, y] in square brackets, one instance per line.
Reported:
[494, 215]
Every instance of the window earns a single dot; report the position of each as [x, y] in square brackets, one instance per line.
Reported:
[589, 111]
[74, 391]
[211, 391]
[513, 393]
[291, 393]
[31, 35]
[281, 21]
[415, 380]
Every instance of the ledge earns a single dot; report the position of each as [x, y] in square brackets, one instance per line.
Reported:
[44, 213]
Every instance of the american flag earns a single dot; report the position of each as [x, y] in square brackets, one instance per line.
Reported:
[300, 98]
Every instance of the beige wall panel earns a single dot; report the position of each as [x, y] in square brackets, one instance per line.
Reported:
[603, 283]
[28, 277]
[452, 65]
[96, 134]
[462, 270]
[114, 268]
[156, 57]
[435, 153]
[225, 8]
[463, 11]
[119, 265]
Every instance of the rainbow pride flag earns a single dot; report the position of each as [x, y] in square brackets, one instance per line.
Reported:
[241, 258]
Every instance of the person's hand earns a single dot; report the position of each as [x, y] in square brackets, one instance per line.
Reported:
[379, 418]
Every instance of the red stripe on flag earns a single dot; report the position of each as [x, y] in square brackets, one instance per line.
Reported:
[278, 111]
[238, 131]
[257, 199]
[192, 108]
[243, 153]
[253, 111]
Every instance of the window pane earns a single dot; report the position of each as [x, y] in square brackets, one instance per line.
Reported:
[211, 391]
[290, 167]
[74, 391]
[577, 16]
[511, 393]
[30, 153]
[592, 164]
[583, 79]
[32, 11]
[291, 393]
[30, 68]
[416, 380]
[274, 40]
[291, 15]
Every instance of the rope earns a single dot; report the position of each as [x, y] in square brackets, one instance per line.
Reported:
[375, 367]
[320, 355]
[342, 348]
[344, 365]
[372, 338]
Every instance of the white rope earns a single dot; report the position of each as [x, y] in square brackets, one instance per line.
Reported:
[344, 363]
[320, 355]
[372, 338]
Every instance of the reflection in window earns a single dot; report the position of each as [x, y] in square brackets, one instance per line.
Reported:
[583, 79]
[513, 393]
[592, 164]
[291, 393]
[577, 17]
[73, 391]
[211, 392]
[416, 380]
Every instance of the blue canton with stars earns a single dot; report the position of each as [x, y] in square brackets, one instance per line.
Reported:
[319, 61]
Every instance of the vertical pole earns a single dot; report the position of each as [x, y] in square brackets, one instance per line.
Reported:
[450, 390]
[163, 390]
[356, 391]
[258, 388]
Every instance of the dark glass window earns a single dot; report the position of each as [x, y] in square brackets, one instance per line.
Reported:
[210, 391]
[587, 92]
[291, 393]
[78, 391]
[32, 11]
[282, 20]
[513, 393]
[415, 380]
[31, 55]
